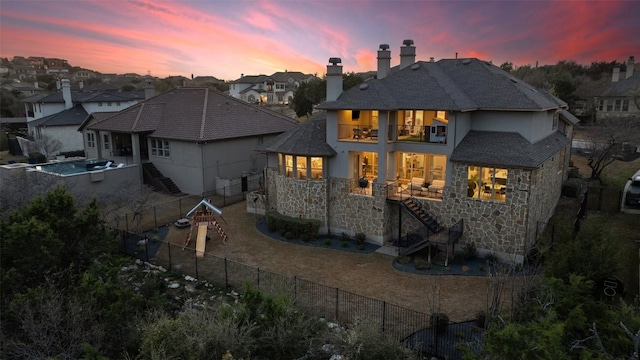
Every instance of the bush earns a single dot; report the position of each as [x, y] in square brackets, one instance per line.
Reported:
[422, 263]
[439, 322]
[304, 229]
[345, 243]
[572, 187]
[360, 239]
[402, 259]
[345, 237]
[469, 252]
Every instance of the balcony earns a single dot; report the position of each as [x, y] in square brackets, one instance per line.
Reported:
[423, 134]
[357, 133]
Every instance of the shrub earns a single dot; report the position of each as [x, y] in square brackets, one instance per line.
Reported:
[304, 229]
[422, 263]
[327, 241]
[289, 235]
[470, 252]
[345, 237]
[572, 187]
[345, 243]
[402, 259]
[439, 322]
[360, 238]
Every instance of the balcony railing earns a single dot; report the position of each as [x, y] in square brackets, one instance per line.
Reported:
[424, 134]
[357, 133]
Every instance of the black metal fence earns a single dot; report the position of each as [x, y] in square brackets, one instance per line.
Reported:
[413, 328]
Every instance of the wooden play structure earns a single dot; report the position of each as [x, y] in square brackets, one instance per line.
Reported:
[202, 216]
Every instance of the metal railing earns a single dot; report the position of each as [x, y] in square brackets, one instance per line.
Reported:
[415, 329]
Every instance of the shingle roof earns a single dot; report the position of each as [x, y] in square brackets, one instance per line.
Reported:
[74, 116]
[624, 87]
[78, 96]
[196, 114]
[308, 139]
[565, 114]
[506, 149]
[449, 84]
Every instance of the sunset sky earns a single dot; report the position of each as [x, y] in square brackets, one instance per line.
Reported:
[228, 38]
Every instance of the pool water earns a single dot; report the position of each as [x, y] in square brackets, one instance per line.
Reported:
[74, 167]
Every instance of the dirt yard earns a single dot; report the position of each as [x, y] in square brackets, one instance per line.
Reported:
[371, 275]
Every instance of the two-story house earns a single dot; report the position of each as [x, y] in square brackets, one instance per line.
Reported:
[59, 114]
[621, 101]
[433, 145]
[278, 88]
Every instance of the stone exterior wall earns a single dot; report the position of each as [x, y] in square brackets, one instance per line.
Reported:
[507, 229]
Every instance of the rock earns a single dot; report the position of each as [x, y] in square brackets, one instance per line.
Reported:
[173, 286]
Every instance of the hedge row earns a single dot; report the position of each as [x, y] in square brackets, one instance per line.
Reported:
[293, 228]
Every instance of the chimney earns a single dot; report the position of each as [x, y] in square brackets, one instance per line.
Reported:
[407, 54]
[384, 61]
[630, 66]
[616, 74]
[149, 90]
[66, 94]
[36, 85]
[334, 79]
[58, 87]
[81, 84]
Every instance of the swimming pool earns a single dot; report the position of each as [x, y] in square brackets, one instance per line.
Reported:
[73, 167]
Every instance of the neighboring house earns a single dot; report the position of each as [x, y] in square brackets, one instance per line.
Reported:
[621, 101]
[459, 141]
[192, 136]
[26, 89]
[58, 115]
[278, 88]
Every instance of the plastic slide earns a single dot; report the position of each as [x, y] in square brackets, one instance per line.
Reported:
[201, 240]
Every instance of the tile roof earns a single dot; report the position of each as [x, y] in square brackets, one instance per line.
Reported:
[196, 114]
[624, 87]
[506, 149]
[74, 116]
[308, 139]
[448, 84]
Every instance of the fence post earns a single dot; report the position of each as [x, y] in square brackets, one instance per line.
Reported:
[226, 275]
[180, 208]
[169, 245]
[384, 313]
[195, 256]
[337, 303]
[224, 196]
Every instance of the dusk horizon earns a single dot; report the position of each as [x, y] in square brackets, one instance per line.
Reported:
[225, 39]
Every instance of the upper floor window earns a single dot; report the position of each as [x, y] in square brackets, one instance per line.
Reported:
[617, 105]
[109, 103]
[280, 86]
[555, 121]
[487, 183]
[600, 105]
[160, 148]
[609, 105]
[91, 139]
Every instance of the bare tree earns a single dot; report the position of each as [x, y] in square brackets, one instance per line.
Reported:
[47, 146]
[609, 143]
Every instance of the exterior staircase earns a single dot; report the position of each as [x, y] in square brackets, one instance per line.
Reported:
[420, 214]
[154, 177]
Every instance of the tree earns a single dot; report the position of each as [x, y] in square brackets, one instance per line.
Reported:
[608, 143]
[301, 103]
[11, 103]
[47, 145]
[507, 66]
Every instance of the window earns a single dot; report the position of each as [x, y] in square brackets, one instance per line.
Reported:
[555, 121]
[91, 139]
[288, 162]
[601, 105]
[609, 105]
[99, 103]
[117, 103]
[279, 86]
[487, 183]
[625, 105]
[105, 138]
[316, 168]
[109, 103]
[160, 148]
[301, 167]
[617, 105]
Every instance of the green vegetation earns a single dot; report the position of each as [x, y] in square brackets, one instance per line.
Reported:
[293, 228]
[67, 294]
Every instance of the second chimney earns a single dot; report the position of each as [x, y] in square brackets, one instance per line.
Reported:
[407, 54]
[384, 61]
[334, 79]
[149, 90]
[630, 65]
[616, 74]
[66, 93]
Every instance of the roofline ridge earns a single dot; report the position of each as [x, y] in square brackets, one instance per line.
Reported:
[203, 120]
